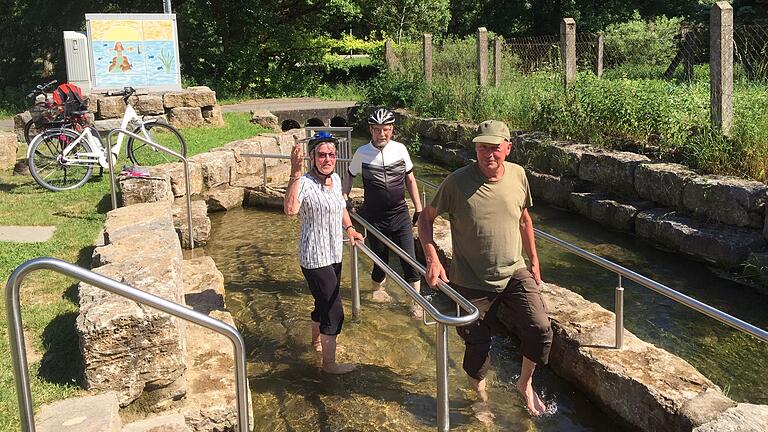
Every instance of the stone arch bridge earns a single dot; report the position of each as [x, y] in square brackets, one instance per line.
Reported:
[300, 112]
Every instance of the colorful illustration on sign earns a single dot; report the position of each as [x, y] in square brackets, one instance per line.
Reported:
[133, 52]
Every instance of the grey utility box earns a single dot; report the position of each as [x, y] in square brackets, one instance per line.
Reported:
[78, 64]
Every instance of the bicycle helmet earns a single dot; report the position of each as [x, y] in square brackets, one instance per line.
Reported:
[381, 116]
[318, 138]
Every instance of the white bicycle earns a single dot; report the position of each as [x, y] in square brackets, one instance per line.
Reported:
[62, 159]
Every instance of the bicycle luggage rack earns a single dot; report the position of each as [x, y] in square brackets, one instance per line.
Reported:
[16, 330]
[158, 147]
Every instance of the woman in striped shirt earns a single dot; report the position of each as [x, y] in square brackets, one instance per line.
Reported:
[316, 198]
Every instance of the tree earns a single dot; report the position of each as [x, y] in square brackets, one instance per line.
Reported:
[407, 19]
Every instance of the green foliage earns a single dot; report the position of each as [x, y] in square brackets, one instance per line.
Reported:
[350, 44]
[666, 120]
[641, 42]
[407, 19]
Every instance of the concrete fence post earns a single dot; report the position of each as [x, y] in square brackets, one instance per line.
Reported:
[427, 56]
[687, 47]
[568, 50]
[497, 61]
[482, 56]
[599, 56]
[389, 55]
[721, 66]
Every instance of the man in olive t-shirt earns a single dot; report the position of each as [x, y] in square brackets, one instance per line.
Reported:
[487, 203]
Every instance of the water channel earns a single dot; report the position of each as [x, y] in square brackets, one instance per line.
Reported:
[394, 386]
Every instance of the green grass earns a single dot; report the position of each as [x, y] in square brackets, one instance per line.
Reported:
[667, 120]
[48, 299]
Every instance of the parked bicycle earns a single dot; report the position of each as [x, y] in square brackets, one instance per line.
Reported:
[48, 113]
[63, 158]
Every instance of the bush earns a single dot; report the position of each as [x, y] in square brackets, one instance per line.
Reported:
[640, 42]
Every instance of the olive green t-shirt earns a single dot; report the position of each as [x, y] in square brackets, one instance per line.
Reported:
[485, 225]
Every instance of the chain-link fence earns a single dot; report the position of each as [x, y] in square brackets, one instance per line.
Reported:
[750, 51]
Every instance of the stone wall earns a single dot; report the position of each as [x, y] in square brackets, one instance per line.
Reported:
[721, 220]
[191, 107]
[223, 177]
[145, 356]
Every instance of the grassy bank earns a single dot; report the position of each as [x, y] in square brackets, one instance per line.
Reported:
[49, 300]
[667, 120]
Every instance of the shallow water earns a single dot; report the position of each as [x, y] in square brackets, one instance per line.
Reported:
[394, 387]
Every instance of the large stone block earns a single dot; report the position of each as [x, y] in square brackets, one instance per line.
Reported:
[212, 115]
[612, 172]
[266, 120]
[264, 196]
[211, 404]
[201, 223]
[551, 189]
[165, 423]
[730, 200]
[128, 221]
[741, 418]
[647, 387]
[9, 144]
[607, 212]
[446, 133]
[181, 117]
[284, 141]
[145, 189]
[724, 245]
[129, 347]
[97, 413]
[175, 172]
[191, 97]
[110, 107]
[663, 183]
[217, 167]
[225, 198]
[148, 105]
[249, 165]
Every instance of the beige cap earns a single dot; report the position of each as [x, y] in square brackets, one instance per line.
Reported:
[492, 132]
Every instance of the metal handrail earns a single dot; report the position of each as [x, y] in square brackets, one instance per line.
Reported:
[442, 321]
[647, 283]
[16, 330]
[658, 288]
[161, 148]
[442, 286]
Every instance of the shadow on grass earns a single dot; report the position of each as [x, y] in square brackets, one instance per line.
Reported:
[62, 362]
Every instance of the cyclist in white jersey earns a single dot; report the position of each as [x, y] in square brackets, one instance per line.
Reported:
[387, 172]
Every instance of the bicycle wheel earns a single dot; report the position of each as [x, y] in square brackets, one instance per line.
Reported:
[30, 131]
[55, 171]
[141, 153]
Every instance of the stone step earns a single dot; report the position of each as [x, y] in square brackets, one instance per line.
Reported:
[99, 413]
[211, 402]
[166, 423]
[741, 418]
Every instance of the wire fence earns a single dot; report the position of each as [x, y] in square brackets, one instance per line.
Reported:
[683, 56]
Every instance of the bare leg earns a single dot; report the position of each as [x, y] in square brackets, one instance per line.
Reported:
[379, 294]
[532, 400]
[316, 345]
[416, 310]
[329, 357]
[481, 408]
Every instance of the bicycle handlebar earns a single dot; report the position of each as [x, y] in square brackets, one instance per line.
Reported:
[42, 88]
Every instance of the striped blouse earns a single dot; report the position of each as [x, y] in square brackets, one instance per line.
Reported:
[320, 213]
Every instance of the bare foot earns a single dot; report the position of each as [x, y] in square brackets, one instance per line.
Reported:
[339, 368]
[532, 400]
[483, 412]
[416, 310]
[381, 296]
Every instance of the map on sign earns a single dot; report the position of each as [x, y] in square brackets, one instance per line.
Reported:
[137, 50]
